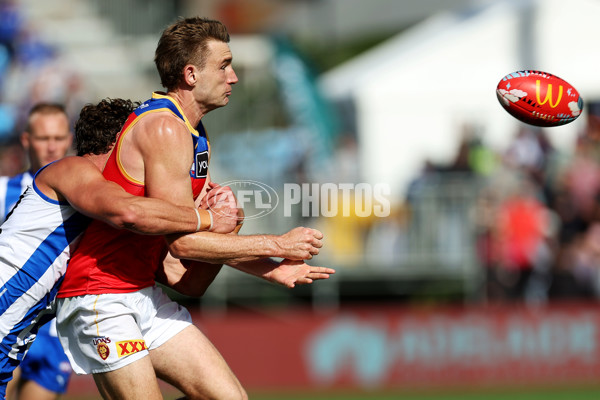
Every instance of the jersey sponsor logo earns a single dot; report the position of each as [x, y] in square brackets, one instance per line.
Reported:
[103, 350]
[128, 347]
[200, 167]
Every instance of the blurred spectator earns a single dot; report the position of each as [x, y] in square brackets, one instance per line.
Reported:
[577, 205]
[530, 152]
[11, 21]
[346, 231]
[31, 50]
[386, 240]
[7, 121]
[581, 182]
[575, 275]
[592, 127]
[520, 242]
[31, 71]
[12, 157]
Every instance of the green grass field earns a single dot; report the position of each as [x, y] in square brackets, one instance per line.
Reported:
[570, 393]
[524, 394]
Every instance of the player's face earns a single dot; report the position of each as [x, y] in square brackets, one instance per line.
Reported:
[215, 80]
[49, 139]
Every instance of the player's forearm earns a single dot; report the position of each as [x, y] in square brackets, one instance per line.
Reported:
[155, 217]
[223, 249]
[190, 278]
[259, 268]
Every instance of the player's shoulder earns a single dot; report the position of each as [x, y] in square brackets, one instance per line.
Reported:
[160, 123]
[54, 179]
[70, 162]
[65, 167]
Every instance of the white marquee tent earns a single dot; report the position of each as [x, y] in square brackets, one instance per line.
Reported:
[415, 92]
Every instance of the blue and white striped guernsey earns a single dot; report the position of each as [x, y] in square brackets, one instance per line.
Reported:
[35, 244]
[10, 191]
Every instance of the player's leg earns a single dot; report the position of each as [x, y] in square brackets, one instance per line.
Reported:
[202, 373]
[45, 369]
[16, 342]
[102, 335]
[133, 381]
[29, 390]
[11, 387]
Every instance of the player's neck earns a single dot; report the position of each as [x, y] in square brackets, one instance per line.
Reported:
[99, 160]
[192, 110]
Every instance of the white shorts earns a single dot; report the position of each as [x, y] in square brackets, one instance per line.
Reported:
[106, 332]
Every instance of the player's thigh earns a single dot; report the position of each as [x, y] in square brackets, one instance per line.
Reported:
[202, 373]
[11, 387]
[30, 390]
[133, 381]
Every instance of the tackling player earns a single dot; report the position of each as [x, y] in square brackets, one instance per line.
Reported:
[45, 373]
[40, 232]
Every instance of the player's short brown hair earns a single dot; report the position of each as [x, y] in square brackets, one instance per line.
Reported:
[185, 42]
[44, 108]
[98, 125]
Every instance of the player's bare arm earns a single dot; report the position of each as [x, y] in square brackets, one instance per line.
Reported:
[78, 181]
[166, 174]
[288, 273]
[192, 278]
[188, 277]
[222, 206]
[215, 196]
[166, 177]
[298, 244]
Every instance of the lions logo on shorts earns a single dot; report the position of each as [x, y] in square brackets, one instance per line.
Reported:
[103, 350]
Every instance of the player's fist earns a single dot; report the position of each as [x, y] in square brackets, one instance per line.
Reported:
[224, 218]
[299, 243]
[217, 194]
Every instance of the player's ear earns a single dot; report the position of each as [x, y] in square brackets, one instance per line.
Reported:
[25, 139]
[190, 74]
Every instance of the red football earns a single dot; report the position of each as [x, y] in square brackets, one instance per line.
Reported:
[539, 98]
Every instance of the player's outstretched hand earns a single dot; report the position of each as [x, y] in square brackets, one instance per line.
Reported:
[299, 243]
[290, 273]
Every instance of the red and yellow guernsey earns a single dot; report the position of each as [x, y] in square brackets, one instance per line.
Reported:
[110, 260]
